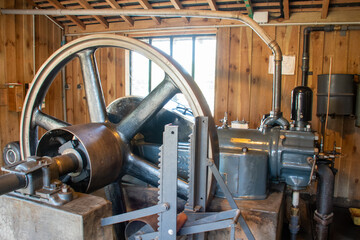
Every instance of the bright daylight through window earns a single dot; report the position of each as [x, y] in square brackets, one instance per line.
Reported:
[196, 54]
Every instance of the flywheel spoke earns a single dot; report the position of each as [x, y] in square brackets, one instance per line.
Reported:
[48, 122]
[132, 123]
[92, 84]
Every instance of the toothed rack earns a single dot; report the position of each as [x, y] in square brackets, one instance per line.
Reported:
[198, 221]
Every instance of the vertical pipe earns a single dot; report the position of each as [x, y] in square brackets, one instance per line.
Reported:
[294, 226]
[324, 201]
[357, 104]
[63, 78]
[34, 46]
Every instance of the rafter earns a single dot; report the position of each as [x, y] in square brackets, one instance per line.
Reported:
[74, 19]
[100, 19]
[36, 6]
[286, 9]
[178, 5]
[325, 8]
[115, 5]
[212, 4]
[146, 5]
[249, 8]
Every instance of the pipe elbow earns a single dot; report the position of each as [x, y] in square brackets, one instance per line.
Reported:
[325, 173]
[275, 48]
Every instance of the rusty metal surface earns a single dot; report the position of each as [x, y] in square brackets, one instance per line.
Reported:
[79, 219]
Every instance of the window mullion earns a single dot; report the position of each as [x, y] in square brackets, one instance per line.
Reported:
[193, 58]
[150, 67]
[171, 46]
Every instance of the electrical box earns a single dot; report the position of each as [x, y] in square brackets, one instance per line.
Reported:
[15, 93]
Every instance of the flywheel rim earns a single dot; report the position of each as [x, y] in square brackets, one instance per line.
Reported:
[47, 72]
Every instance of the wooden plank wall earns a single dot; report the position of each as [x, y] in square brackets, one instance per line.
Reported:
[242, 69]
[16, 62]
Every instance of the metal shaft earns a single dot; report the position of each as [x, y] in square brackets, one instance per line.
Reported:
[11, 182]
[141, 169]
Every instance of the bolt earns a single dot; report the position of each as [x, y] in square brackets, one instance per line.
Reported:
[170, 232]
[244, 149]
[57, 183]
[64, 188]
[316, 151]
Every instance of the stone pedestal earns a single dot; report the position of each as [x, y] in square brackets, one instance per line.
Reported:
[78, 219]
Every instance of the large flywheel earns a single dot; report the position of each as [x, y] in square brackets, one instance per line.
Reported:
[105, 144]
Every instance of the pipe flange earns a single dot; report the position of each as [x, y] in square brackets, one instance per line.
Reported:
[323, 219]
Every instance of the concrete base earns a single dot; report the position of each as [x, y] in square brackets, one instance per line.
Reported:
[78, 219]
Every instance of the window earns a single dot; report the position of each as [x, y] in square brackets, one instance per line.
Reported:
[196, 54]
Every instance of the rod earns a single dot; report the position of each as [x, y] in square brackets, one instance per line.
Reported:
[272, 44]
[11, 182]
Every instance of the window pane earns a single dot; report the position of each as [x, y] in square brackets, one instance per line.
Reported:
[205, 67]
[157, 74]
[139, 75]
[182, 52]
[162, 43]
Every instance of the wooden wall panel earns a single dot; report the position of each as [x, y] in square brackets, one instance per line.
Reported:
[222, 73]
[16, 62]
[261, 81]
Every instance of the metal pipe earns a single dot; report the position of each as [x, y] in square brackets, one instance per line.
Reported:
[11, 182]
[305, 56]
[63, 79]
[357, 104]
[34, 46]
[294, 226]
[204, 28]
[324, 201]
[272, 44]
[306, 41]
[141, 169]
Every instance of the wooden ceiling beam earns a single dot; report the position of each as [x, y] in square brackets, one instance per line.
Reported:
[146, 5]
[100, 19]
[74, 19]
[249, 8]
[36, 6]
[185, 3]
[177, 5]
[212, 4]
[115, 5]
[286, 9]
[325, 9]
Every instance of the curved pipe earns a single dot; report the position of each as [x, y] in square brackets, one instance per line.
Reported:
[305, 56]
[272, 44]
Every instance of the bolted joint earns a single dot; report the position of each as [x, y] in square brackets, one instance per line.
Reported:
[323, 219]
[294, 226]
